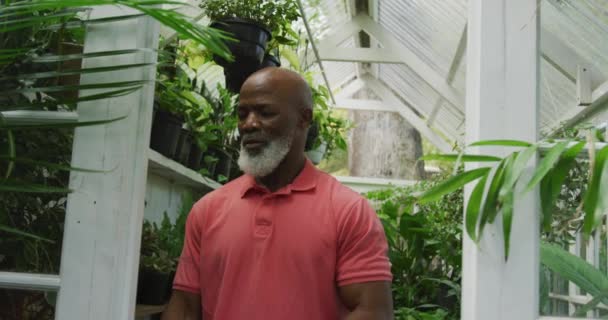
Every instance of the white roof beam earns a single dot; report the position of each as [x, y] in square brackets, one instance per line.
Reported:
[581, 114]
[342, 34]
[369, 55]
[364, 105]
[566, 60]
[462, 45]
[404, 110]
[390, 43]
[350, 89]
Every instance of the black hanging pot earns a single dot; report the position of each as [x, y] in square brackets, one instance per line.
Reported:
[248, 51]
[270, 61]
[166, 128]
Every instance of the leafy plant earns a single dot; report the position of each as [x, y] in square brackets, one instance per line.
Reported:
[424, 249]
[331, 128]
[162, 246]
[275, 15]
[485, 206]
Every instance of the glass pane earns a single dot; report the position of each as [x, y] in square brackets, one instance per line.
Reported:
[32, 223]
[27, 305]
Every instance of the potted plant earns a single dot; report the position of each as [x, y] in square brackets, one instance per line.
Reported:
[328, 130]
[213, 123]
[168, 108]
[258, 27]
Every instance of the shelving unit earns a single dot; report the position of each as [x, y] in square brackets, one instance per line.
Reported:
[174, 171]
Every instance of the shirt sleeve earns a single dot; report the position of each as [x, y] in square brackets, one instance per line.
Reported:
[362, 246]
[188, 268]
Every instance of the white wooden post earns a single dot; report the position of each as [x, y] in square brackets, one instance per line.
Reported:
[104, 215]
[502, 103]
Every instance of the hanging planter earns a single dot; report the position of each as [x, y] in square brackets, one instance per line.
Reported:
[270, 61]
[248, 51]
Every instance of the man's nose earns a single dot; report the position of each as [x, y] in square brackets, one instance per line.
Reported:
[251, 123]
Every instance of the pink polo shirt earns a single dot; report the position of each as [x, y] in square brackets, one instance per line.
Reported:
[252, 254]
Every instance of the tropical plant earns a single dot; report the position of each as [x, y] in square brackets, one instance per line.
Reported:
[33, 63]
[485, 206]
[579, 272]
[424, 249]
[275, 15]
[331, 128]
[162, 245]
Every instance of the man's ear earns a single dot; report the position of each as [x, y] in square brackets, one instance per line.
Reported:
[305, 118]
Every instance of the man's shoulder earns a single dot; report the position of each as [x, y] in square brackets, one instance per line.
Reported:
[341, 196]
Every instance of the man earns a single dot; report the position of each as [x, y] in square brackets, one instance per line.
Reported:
[285, 241]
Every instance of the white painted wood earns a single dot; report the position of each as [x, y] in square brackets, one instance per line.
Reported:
[177, 173]
[583, 86]
[365, 105]
[502, 86]
[580, 115]
[349, 89]
[29, 281]
[456, 62]
[364, 184]
[341, 34]
[104, 216]
[162, 196]
[24, 117]
[576, 299]
[360, 55]
[426, 73]
[566, 60]
[406, 112]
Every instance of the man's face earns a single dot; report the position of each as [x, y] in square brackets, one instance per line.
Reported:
[266, 127]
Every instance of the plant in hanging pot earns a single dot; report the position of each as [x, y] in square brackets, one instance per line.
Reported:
[168, 109]
[258, 28]
[157, 264]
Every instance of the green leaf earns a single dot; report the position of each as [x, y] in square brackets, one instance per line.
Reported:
[546, 164]
[507, 223]
[464, 158]
[490, 205]
[513, 173]
[108, 85]
[574, 269]
[59, 125]
[12, 152]
[551, 184]
[48, 165]
[54, 74]
[474, 207]
[14, 186]
[593, 203]
[452, 184]
[503, 143]
[8, 229]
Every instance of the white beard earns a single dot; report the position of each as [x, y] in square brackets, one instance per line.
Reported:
[268, 159]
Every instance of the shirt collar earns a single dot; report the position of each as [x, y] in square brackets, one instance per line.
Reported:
[306, 180]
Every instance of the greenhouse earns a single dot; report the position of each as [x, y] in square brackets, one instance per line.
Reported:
[303, 159]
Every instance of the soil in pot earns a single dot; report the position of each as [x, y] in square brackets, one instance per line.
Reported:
[166, 128]
[153, 287]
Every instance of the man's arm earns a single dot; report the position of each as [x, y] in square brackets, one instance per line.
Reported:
[368, 300]
[183, 306]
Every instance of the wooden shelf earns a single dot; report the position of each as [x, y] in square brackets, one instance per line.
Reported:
[142, 310]
[174, 171]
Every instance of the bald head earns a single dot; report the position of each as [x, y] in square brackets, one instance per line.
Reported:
[289, 85]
